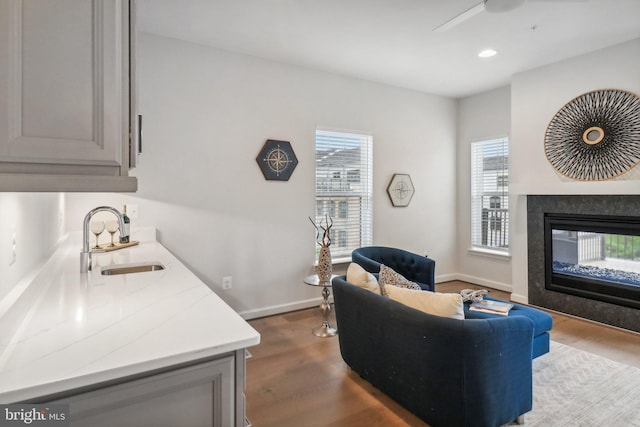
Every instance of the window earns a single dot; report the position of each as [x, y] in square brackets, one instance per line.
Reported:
[344, 189]
[490, 194]
[343, 209]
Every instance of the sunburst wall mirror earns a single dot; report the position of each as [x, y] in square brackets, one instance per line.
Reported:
[595, 136]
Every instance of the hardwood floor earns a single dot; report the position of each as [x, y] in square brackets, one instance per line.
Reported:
[297, 379]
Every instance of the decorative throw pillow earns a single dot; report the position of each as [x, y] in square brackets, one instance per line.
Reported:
[360, 277]
[439, 304]
[390, 277]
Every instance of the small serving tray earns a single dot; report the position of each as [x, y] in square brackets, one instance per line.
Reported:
[107, 248]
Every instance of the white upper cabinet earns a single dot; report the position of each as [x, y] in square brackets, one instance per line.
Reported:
[67, 110]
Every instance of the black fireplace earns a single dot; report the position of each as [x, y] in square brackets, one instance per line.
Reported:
[587, 227]
[593, 256]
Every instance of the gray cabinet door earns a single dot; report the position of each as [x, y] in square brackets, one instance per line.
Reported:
[65, 105]
[199, 395]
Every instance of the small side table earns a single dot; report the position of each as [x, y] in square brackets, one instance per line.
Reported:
[325, 330]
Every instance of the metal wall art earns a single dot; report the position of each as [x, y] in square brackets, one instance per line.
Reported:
[400, 190]
[595, 136]
[277, 160]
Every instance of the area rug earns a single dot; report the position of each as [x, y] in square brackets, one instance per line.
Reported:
[572, 387]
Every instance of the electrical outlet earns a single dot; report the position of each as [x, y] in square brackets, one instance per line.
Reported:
[227, 283]
[132, 211]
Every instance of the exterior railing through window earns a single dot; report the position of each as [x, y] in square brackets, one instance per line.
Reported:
[495, 227]
[598, 246]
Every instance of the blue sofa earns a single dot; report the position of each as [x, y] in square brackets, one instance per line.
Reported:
[421, 270]
[449, 372]
[417, 268]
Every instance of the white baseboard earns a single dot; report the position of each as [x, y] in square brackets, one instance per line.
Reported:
[521, 299]
[315, 302]
[279, 309]
[446, 278]
[483, 282]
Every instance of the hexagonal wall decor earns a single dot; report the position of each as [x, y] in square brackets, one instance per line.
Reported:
[277, 160]
[400, 190]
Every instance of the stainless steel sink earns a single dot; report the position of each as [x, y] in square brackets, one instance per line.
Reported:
[131, 268]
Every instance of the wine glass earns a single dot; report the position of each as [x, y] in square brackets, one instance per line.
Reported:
[97, 227]
[112, 227]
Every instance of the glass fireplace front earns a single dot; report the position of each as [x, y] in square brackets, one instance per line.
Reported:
[594, 257]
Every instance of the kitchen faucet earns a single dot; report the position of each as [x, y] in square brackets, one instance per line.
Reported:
[85, 255]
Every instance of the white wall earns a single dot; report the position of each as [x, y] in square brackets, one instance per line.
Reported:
[536, 96]
[208, 112]
[480, 117]
[523, 111]
[36, 220]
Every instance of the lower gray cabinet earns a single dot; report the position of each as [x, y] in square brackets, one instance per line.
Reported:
[205, 394]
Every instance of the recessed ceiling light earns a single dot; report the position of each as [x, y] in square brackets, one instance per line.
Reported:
[487, 53]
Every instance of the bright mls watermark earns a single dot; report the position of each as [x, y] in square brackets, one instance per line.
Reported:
[34, 415]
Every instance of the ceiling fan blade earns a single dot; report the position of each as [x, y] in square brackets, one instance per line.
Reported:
[472, 11]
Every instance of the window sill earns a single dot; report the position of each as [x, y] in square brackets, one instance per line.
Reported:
[336, 261]
[490, 253]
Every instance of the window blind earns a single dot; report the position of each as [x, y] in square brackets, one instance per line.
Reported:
[344, 189]
[490, 194]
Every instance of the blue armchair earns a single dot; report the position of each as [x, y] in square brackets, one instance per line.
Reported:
[417, 268]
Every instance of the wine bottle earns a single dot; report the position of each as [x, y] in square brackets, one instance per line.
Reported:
[124, 234]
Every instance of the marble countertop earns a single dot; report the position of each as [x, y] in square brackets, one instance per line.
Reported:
[68, 330]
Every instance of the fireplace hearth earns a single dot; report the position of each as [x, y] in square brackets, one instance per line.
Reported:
[584, 256]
